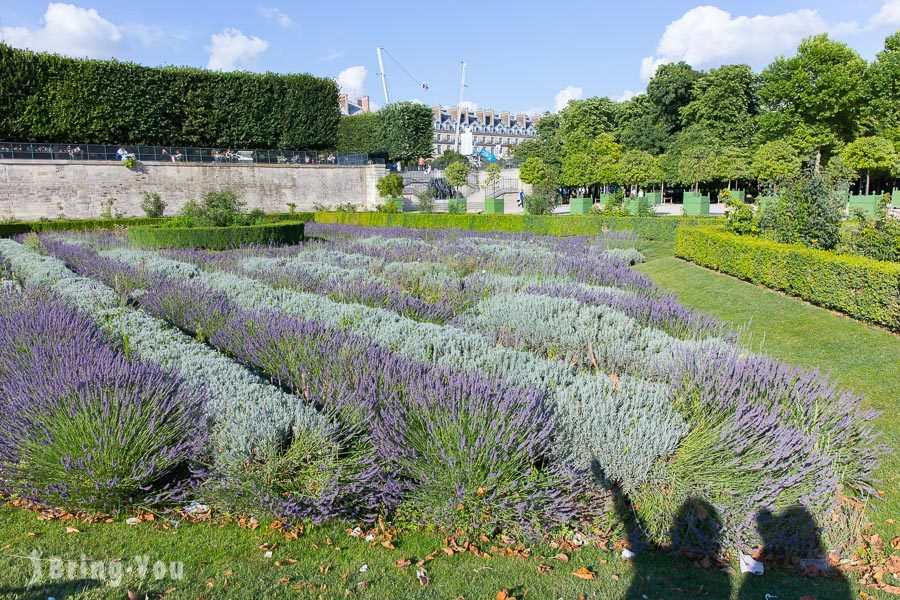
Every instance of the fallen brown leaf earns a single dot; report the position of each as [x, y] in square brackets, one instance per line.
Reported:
[402, 563]
[583, 573]
[387, 545]
[72, 530]
[562, 557]
[544, 568]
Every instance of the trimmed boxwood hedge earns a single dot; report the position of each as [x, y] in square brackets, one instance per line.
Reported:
[9, 229]
[863, 288]
[216, 238]
[651, 228]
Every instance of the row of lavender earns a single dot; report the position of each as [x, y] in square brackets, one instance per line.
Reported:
[599, 380]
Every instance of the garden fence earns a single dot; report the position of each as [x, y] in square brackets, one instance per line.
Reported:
[74, 151]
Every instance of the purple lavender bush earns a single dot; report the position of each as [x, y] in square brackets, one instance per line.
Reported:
[82, 425]
[765, 436]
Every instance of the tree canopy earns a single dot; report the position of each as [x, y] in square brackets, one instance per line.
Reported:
[732, 125]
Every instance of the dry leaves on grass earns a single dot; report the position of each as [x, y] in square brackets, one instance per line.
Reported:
[584, 573]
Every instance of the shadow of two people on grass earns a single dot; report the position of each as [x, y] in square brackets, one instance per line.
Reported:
[696, 533]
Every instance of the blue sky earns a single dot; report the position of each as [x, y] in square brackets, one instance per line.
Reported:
[521, 56]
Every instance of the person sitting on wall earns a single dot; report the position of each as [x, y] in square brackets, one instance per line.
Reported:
[177, 156]
[217, 157]
[121, 154]
[331, 158]
[229, 155]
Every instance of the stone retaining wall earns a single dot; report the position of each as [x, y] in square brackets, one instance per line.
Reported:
[32, 189]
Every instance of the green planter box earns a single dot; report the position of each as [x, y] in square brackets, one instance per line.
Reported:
[396, 202]
[604, 198]
[695, 205]
[739, 194]
[457, 205]
[580, 206]
[869, 204]
[653, 197]
[895, 199]
[494, 206]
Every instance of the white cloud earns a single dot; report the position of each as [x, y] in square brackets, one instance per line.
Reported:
[352, 81]
[625, 95]
[232, 50]
[69, 29]
[535, 110]
[566, 95]
[470, 104]
[888, 16]
[708, 36]
[279, 17]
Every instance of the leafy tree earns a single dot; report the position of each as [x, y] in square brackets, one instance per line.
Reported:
[637, 167]
[359, 133]
[724, 102]
[536, 172]
[693, 157]
[586, 118]
[579, 170]
[606, 153]
[637, 127]
[447, 158]
[821, 88]
[774, 162]
[457, 174]
[493, 174]
[868, 154]
[734, 164]
[670, 90]
[883, 88]
[405, 130]
[839, 173]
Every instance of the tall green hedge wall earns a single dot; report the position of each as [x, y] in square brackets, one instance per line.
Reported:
[651, 228]
[860, 287]
[51, 98]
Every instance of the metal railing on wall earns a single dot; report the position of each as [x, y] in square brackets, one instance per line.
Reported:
[39, 151]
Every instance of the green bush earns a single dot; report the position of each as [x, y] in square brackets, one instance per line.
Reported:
[153, 206]
[218, 209]
[739, 218]
[538, 204]
[651, 228]
[390, 186]
[878, 239]
[860, 287]
[216, 238]
[51, 98]
[808, 211]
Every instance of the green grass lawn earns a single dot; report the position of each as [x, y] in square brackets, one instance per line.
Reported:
[861, 357]
[228, 562]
